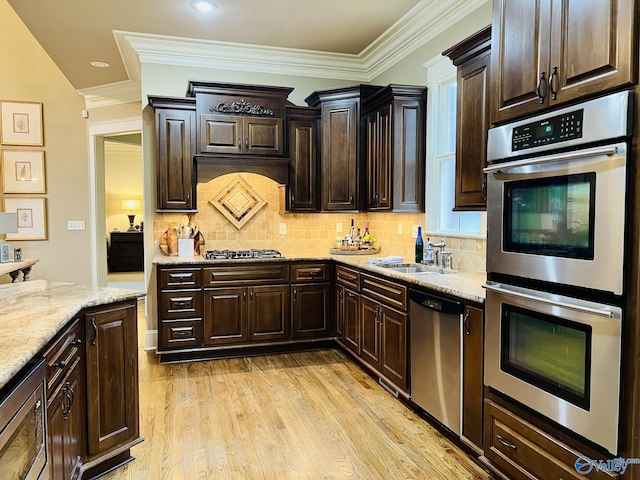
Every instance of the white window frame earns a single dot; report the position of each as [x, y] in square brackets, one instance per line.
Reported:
[440, 72]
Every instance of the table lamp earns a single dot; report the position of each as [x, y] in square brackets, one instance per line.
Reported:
[133, 206]
[8, 224]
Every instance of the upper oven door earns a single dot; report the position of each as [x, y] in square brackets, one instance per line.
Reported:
[560, 218]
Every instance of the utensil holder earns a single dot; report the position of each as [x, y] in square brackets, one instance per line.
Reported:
[185, 247]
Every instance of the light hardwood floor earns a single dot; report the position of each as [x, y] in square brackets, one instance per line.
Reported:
[312, 415]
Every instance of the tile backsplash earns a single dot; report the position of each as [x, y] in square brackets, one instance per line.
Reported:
[310, 233]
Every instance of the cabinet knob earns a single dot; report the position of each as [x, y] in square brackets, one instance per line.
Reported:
[61, 364]
[77, 343]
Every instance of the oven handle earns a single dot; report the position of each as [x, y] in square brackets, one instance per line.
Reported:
[551, 159]
[595, 311]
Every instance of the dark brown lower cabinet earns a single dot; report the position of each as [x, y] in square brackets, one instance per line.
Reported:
[348, 310]
[310, 305]
[112, 380]
[64, 420]
[473, 380]
[246, 314]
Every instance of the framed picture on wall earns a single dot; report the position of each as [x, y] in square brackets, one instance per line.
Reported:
[21, 123]
[32, 217]
[23, 171]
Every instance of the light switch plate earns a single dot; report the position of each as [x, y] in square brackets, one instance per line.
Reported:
[75, 225]
[283, 228]
[399, 228]
[338, 227]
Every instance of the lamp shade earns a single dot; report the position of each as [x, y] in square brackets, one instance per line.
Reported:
[131, 205]
[8, 222]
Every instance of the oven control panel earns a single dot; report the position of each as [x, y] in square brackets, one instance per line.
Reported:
[560, 128]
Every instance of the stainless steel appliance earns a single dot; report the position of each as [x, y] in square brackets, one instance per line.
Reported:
[558, 355]
[436, 352]
[235, 254]
[556, 195]
[23, 441]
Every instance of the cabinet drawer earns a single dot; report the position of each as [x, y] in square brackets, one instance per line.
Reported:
[246, 274]
[180, 277]
[523, 451]
[310, 272]
[389, 293]
[177, 334]
[348, 277]
[62, 354]
[181, 304]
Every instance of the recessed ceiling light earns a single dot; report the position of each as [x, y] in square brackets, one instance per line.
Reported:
[100, 64]
[203, 5]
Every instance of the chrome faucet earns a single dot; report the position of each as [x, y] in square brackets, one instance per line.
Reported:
[431, 253]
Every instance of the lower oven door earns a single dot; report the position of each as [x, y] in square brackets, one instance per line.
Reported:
[557, 355]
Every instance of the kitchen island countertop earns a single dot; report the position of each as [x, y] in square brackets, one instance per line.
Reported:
[463, 284]
[32, 313]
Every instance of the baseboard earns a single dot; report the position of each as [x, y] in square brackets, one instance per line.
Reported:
[151, 340]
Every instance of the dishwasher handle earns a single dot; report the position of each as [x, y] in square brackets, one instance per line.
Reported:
[436, 303]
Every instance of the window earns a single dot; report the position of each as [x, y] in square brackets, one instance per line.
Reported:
[441, 155]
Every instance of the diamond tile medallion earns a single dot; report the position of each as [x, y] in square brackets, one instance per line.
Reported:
[238, 202]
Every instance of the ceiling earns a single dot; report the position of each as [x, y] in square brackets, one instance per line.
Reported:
[77, 32]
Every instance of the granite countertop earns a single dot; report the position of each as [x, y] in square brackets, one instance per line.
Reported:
[33, 312]
[463, 284]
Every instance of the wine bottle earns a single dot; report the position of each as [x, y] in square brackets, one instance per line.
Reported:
[419, 245]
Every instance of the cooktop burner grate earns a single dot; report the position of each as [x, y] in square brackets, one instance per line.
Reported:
[233, 254]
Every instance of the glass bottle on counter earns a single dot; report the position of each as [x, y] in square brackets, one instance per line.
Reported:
[419, 245]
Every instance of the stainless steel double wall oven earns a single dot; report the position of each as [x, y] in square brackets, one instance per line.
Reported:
[556, 209]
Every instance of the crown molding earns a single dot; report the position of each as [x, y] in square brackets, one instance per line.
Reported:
[422, 23]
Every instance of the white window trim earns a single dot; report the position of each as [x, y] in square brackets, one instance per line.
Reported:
[440, 70]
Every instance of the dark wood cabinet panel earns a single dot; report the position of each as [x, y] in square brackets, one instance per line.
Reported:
[541, 56]
[303, 189]
[235, 134]
[351, 321]
[473, 375]
[393, 346]
[126, 252]
[175, 149]
[311, 305]
[472, 56]
[225, 316]
[112, 378]
[269, 316]
[370, 337]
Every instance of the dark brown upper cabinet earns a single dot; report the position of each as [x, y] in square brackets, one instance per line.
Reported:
[550, 52]
[175, 147]
[395, 149]
[343, 146]
[304, 182]
[472, 57]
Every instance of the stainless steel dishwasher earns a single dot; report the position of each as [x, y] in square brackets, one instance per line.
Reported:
[436, 352]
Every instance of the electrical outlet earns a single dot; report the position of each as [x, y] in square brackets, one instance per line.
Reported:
[414, 231]
[338, 227]
[283, 228]
[75, 225]
[399, 228]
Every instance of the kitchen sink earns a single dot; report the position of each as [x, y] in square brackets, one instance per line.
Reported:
[416, 269]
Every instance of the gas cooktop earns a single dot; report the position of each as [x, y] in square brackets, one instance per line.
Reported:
[232, 254]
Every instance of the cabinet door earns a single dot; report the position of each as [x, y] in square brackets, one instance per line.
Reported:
[310, 308]
[303, 191]
[393, 347]
[112, 377]
[64, 420]
[340, 129]
[519, 57]
[370, 324]
[352, 320]
[176, 137]
[221, 134]
[340, 305]
[379, 150]
[269, 308]
[263, 136]
[471, 140]
[225, 316]
[472, 388]
[589, 63]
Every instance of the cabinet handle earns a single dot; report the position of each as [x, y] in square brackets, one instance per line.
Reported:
[541, 82]
[61, 364]
[295, 293]
[554, 73]
[293, 200]
[251, 297]
[483, 189]
[189, 199]
[95, 331]
[73, 394]
[341, 296]
[505, 443]
[351, 294]
[66, 405]
[466, 322]
[244, 296]
[239, 145]
[246, 144]
[351, 200]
